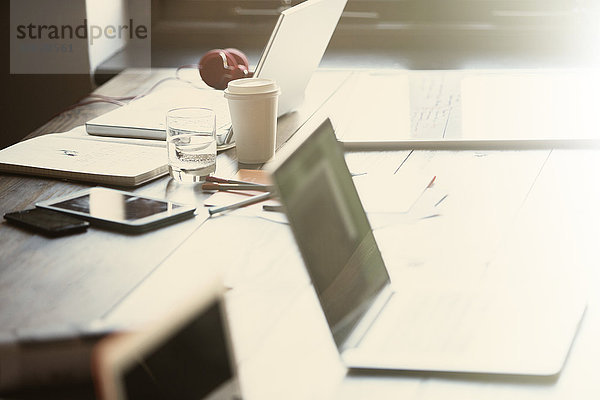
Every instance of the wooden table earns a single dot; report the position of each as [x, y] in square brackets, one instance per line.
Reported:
[530, 210]
[72, 279]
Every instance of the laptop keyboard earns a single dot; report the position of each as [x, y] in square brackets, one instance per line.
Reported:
[427, 323]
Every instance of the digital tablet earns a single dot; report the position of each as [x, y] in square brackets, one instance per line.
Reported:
[119, 210]
[186, 355]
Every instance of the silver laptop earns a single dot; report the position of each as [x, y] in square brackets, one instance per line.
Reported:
[290, 57]
[492, 328]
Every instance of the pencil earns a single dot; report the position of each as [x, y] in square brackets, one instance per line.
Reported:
[246, 202]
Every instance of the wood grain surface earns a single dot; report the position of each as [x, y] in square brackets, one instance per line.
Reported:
[76, 279]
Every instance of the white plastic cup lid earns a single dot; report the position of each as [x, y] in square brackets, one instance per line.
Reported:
[252, 86]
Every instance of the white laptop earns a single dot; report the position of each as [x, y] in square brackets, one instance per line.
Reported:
[186, 356]
[290, 57]
[490, 328]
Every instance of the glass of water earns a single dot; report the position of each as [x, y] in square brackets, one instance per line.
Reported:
[191, 143]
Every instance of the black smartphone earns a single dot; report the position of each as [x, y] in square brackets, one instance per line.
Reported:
[47, 222]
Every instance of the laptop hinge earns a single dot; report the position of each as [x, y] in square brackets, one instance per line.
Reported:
[369, 318]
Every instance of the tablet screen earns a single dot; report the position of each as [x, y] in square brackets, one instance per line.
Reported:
[115, 206]
[189, 364]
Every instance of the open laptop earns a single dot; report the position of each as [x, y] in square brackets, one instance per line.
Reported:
[187, 356]
[492, 328]
[290, 57]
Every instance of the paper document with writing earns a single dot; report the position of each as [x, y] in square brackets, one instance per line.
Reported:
[470, 109]
[76, 155]
[413, 106]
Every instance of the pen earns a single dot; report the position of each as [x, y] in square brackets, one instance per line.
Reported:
[440, 201]
[431, 183]
[235, 186]
[252, 200]
[216, 179]
[273, 208]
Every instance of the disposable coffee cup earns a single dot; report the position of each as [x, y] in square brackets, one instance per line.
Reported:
[253, 109]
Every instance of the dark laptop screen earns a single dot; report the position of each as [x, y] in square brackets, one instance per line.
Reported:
[331, 229]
